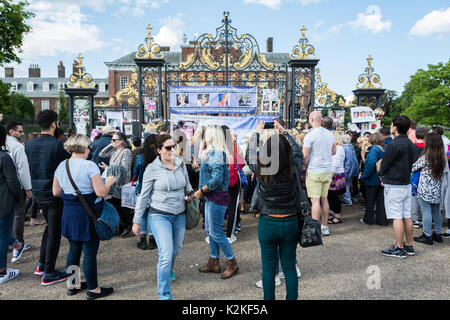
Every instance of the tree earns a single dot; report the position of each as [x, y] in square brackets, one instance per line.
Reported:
[426, 97]
[63, 112]
[5, 98]
[13, 27]
[21, 106]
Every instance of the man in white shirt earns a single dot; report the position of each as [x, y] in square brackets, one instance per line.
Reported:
[318, 148]
[17, 152]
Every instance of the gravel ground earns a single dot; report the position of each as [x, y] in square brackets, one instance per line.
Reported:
[338, 270]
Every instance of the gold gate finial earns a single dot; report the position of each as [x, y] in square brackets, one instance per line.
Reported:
[149, 50]
[80, 79]
[369, 80]
[303, 50]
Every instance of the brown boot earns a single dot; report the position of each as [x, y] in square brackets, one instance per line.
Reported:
[231, 268]
[213, 266]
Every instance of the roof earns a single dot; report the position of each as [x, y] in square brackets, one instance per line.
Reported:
[53, 92]
[276, 58]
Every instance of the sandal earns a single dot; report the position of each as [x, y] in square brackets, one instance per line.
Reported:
[339, 220]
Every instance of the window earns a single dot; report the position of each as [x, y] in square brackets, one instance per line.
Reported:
[13, 86]
[45, 105]
[102, 87]
[30, 86]
[123, 82]
[45, 86]
[60, 86]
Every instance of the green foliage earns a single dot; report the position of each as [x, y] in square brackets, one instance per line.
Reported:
[63, 112]
[21, 106]
[5, 98]
[13, 27]
[426, 97]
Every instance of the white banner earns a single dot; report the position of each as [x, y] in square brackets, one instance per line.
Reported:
[362, 114]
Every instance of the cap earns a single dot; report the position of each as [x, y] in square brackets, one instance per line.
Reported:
[108, 129]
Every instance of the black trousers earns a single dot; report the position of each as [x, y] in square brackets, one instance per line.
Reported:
[334, 199]
[125, 214]
[375, 195]
[34, 208]
[233, 207]
[355, 188]
[51, 239]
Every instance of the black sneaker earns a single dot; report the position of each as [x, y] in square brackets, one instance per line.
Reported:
[104, 292]
[74, 291]
[54, 277]
[394, 252]
[409, 250]
[151, 243]
[446, 234]
[142, 244]
[126, 232]
[424, 239]
[436, 237]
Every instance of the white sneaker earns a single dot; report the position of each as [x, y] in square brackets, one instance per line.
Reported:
[10, 274]
[207, 239]
[299, 274]
[277, 282]
[325, 230]
[232, 239]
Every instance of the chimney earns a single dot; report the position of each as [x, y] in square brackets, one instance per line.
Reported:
[34, 71]
[9, 72]
[270, 44]
[61, 70]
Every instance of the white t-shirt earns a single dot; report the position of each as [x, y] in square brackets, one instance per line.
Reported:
[321, 141]
[82, 171]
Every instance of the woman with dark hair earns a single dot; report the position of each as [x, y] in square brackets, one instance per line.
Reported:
[372, 183]
[9, 194]
[163, 191]
[119, 166]
[279, 199]
[234, 186]
[432, 165]
[147, 156]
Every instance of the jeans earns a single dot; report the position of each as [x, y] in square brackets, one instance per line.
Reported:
[145, 224]
[168, 231]
[214, 214]
[347, 198]
[51, 239]
[19, 219]
[6, 224]
[278, 234]
[90, 249]
[415, 209]
[430, 212]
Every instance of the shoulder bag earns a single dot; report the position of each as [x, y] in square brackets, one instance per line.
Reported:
[192, 208]
[107, 226]
[378, 164]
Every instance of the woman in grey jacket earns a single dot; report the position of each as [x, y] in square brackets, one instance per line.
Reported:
[163, 191]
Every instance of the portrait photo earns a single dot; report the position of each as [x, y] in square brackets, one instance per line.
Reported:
[203, 100]
[182, 100]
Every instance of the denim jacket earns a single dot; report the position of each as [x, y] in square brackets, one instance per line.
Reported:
[214, 171]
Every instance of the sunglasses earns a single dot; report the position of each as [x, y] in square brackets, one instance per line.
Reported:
[169, 148]
[114, 140]
[21, 131]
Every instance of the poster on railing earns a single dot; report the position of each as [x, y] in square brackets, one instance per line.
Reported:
[213, 99]
[337, 116]
[362, 114]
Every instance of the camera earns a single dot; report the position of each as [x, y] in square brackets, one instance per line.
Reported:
[269, 125]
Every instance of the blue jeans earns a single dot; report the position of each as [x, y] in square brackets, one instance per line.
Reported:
[430, 212]
[347, 198]
[214, 214]
[90, 249]
[145, 223]
[168, 231]
[6, 225]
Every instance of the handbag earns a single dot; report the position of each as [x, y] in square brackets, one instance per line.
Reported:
[107, 226]
[309, 229]
[378, 164]
[242, 177]
[192, 209]
[415, 177]
[128, 196]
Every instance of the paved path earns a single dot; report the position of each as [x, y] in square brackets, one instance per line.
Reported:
[338, 270]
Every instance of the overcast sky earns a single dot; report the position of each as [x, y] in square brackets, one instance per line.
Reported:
[402, 35]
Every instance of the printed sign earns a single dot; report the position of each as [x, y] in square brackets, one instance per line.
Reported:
[362, 114]
[213, 99]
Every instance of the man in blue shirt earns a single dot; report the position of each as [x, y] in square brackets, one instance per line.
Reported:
[387, 135]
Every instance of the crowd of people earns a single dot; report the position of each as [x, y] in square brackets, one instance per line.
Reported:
[400, 173]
